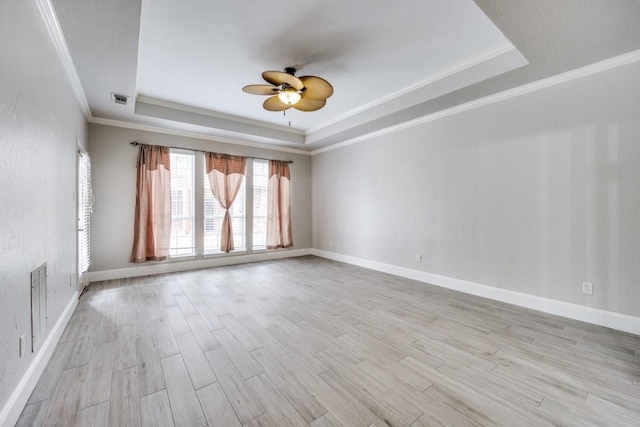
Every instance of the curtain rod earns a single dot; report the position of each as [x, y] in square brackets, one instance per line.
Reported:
[136, 143]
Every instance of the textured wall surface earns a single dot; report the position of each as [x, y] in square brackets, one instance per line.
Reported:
[113, 163]
[39, 123]
[534, 194]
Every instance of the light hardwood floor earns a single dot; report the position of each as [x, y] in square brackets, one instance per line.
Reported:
[307, 341]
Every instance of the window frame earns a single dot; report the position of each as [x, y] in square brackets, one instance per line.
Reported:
[198, 209]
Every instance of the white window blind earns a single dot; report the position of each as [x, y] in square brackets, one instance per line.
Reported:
[182, 241]
[85, 202]
[260, 201]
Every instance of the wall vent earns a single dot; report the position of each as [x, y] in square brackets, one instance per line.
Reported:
[119, 98]
[38, 305]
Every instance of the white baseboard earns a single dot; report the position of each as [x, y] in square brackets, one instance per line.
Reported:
[20, 396]
[610, 319]
[175, 266]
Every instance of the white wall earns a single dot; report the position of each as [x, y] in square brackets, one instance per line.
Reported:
[535, 194]
[114, 181]
[40, 121]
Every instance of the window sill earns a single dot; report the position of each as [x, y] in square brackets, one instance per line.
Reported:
[210, 255]
[182, 257]
[222, 254]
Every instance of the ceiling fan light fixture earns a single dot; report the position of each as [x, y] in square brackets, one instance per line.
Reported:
[285, 90]
[289, 96]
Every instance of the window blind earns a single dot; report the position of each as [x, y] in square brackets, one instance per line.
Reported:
[260, 202]
[182, 203]
[85, 202]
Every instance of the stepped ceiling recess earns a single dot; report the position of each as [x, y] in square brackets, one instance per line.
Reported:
[183, 64]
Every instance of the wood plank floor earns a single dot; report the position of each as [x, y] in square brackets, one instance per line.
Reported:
[307, 341]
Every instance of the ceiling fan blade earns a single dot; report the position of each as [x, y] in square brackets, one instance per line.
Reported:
[306, 104]
[274, 104]
[316, 88]
[278, 77]
[261, 89]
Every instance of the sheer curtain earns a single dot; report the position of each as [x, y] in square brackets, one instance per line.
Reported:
[152, 224]
[225, 175]
[279, 206]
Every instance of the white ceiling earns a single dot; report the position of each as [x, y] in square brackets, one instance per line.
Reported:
[184, 63]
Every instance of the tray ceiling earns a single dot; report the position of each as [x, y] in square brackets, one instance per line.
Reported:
[183, 64]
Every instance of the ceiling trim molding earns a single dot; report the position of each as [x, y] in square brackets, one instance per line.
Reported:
[462, 66]
[568, 76]
[238, 130]
[218, 115]
[194, 135]
[55, 33]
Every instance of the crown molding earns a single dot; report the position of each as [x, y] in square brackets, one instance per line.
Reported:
[464, 66]
[211, 113]
[194, 135]
[55, 33]
[568, 76]
[237, 130]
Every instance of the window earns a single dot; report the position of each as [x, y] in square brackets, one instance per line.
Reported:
[260, 201]
[196, 216]
[214, 213]
[85, 201]
[182, 212]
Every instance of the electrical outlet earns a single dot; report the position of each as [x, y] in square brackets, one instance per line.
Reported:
[587, 288]
[330, 243]
[22, 345]
[337, 244]
[418, 258]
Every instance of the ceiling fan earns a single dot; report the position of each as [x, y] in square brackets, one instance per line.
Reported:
[307, 93]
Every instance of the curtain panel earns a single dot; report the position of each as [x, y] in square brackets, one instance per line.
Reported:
[279, 206]
[152, 223]
[225, 175]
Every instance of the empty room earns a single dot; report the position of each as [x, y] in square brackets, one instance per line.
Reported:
[320, 213]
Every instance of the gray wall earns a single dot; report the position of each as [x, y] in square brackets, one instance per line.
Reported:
[534, 194]
[114, 181]
[39, 123]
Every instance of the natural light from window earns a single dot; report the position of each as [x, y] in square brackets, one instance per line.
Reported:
[182, 221]
[260, 200]
[189, 195]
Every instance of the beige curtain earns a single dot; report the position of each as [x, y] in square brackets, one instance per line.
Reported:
[152, 227]
[225, 175]
[279, 207]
